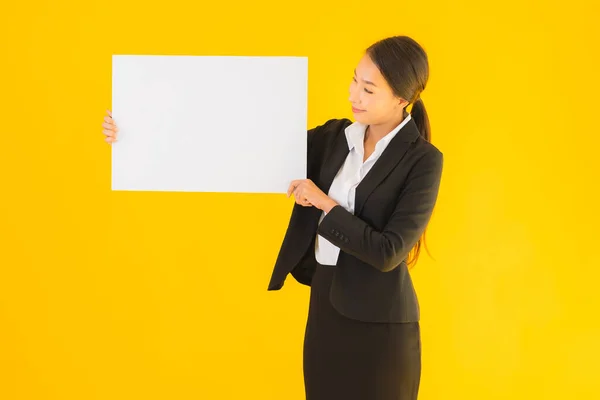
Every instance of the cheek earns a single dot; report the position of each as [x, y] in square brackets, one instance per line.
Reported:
[374, 104]
[368, 101]
[382, 106]
[377, 109]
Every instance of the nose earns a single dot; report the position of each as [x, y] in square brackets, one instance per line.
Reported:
[353, 98]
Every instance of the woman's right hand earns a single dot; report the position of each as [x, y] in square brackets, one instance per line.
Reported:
[110, 128]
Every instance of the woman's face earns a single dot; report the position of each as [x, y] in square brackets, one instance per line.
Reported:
[372, 99]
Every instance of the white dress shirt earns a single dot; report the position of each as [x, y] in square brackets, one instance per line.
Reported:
[344, 184]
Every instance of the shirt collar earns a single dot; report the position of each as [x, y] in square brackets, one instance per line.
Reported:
[355, 135]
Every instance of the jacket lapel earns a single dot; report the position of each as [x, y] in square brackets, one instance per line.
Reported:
[333, 161]
[391, 156]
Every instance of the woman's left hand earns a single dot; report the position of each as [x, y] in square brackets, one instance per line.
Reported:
[308, 194]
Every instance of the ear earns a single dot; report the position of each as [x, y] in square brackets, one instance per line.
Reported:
[402, 103]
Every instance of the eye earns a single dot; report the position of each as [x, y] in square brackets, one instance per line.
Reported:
[368, 91]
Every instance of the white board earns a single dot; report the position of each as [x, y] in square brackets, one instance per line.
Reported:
[209, 123]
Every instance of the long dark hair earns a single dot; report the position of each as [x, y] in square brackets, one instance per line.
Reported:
[404, 65]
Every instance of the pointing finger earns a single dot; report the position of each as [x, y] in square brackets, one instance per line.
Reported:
[292, 187]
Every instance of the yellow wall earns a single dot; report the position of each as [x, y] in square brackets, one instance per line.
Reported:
[116, 295]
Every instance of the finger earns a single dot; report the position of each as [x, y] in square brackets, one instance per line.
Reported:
[110, 133]
[304, 202]
[109, 113]
[301, 201]
[299, 192]
[110, 140]
[109, 119]
[292, 187]
[108, 126]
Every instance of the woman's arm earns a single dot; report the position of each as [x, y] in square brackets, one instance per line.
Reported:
[385, 250]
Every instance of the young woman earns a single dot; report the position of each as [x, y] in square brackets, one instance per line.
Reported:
[358, 222]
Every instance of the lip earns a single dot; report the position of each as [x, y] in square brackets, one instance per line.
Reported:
[356, 110]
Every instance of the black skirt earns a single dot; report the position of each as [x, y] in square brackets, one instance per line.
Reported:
[346, 359]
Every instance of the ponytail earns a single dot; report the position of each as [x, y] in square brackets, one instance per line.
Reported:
[419, 115]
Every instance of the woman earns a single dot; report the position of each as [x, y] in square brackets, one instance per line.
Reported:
[371, 189]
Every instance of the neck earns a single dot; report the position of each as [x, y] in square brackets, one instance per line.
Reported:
[377, 131]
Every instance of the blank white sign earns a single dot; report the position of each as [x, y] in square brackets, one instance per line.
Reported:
[209, 123]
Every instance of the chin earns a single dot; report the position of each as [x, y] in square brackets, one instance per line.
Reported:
[363, 118]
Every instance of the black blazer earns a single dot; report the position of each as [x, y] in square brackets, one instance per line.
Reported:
[393, 205]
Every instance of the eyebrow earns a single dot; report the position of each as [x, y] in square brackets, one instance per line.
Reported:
[367, 82]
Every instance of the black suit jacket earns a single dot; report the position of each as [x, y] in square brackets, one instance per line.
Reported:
[393, 205]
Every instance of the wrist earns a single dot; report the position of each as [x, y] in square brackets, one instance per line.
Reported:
[329, 204]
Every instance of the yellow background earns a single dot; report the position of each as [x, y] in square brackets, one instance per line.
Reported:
[117, 295]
